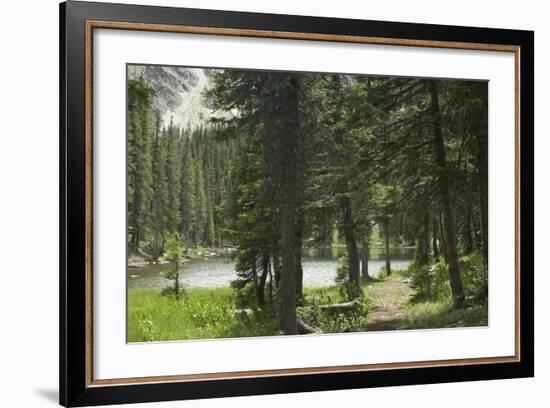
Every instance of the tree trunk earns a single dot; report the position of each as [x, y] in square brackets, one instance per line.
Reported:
[277, 266]
[448, 223]
[483, 199]
[467, 232]
[300, 216]
[423, 243]
[262, 280]
[351, 245]
[442, 235]
[365, 260]
[270, 283]
[288, 147]
[386, 227]
[287, 284]
[254, 272]
[136, 239]
[299, 269]
[435, 249]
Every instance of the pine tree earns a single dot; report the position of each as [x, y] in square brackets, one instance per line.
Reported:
[158, 191]
[139, 161]
[187, 190]
[270, 103]
[172, 146]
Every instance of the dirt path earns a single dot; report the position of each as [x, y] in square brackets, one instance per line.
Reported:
[389, 295]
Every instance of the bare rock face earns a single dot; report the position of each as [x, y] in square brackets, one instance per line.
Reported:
[179, 92]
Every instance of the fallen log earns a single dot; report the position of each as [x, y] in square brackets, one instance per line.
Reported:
[354, 304]
[304, 328]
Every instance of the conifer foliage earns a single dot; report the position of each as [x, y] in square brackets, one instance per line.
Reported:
[176, 179]
[294, 160]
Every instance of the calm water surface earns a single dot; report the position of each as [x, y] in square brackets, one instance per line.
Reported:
[218, 271]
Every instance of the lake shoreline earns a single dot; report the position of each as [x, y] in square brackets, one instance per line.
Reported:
[137, 261]
[319, 268]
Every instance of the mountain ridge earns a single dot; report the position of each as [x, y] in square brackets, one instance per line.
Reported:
[178, 93]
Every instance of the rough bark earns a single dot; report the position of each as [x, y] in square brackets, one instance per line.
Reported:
[348, 228]
[423, 241]
[435, 248]
[299, 269]
[277, 266]
[365, 260]
[287, 284]
[270, 270]
[288, 138]
[300, 215]
[136, 239]
[442, 235]
[448, 222]
[262, 280]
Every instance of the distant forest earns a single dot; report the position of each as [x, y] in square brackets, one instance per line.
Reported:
[302, 160]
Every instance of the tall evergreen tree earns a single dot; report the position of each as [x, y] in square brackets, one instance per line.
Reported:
[270, 102]
[172, 147]
[139, 159]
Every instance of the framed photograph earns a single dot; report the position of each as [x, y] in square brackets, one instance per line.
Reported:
[256, 204]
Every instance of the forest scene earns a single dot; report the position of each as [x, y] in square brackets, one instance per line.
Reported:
[264, 203]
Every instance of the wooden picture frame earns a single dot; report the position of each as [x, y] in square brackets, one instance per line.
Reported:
[78, 20]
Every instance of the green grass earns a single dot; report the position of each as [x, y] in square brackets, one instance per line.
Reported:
[330, 294]
[200, 314]
[210, 313]
[321, 296]
[431, 315]
[436, 314]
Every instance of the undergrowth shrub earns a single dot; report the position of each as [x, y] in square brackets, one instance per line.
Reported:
[334, 320]
[342, 270]
[431, 282]
[245, 294]
[346, 289]
[147, 327]
[474, 278]
[170, 291]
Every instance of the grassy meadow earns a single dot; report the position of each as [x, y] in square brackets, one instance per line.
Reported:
[213, 313]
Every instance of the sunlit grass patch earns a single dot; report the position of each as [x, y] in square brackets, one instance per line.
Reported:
[441, 314]
[200, 314]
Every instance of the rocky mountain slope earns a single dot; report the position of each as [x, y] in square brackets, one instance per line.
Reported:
[178, 92]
